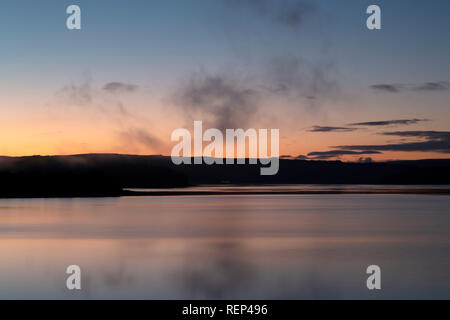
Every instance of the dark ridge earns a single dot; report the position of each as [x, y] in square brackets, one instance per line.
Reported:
[325, 172]
[92, 175]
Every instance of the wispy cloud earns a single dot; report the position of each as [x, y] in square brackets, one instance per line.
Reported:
[80, 93]
[433, 86]
[287, 13]
[115, 87]
[283, 77]
[322, 155]
[85, 94]
[387, 87]
[366, 124]
[330, 129]
[220, 101]
[434, 141]
[140, 137]
[427, 86]
[388, 122]
[290, 74]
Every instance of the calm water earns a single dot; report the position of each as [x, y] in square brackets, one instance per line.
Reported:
[258, 247]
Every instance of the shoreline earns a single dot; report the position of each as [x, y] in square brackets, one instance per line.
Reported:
[422, 191]
[337, 190]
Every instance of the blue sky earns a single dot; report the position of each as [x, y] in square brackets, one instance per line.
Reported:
[168, 35]
[158, 44]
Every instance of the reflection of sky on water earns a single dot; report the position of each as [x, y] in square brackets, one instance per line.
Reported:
[226, 246]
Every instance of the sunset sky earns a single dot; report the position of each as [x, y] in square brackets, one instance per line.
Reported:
[139, 69]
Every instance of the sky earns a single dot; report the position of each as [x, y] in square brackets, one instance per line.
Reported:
[139, 69]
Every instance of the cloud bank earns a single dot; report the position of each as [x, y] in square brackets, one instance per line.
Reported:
[432, 141]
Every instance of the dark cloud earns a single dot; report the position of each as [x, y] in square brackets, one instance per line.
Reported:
[119, 87]
[432, 141]
[287, 13]
[217, 100]
[389, 122]
[321, 155]
[301, 157]
[428, 86]
[286, 156]
[330, 129]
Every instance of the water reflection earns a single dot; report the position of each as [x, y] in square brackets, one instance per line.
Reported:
[223, 274]
[254, 247]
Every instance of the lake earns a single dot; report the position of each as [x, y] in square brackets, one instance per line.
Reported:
[226, 247]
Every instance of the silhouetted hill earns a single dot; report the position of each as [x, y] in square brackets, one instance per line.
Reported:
[83, 175]
[325, 172]
[107, 174]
